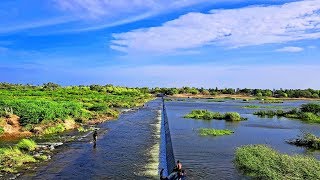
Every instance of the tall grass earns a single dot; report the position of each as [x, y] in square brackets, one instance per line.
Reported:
[26, 145]
[50, 104]
[262, 162]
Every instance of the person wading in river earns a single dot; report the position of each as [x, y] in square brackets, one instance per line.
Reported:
[95, 135]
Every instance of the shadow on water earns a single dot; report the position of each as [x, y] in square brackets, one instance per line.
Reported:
[129, 150]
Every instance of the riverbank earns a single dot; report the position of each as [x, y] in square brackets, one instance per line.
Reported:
[48, 145]
[236, 96]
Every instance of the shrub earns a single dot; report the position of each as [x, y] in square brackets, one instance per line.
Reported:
[26, 145]
[310, 117]
[262, 162]
[232, 116]
[311, 107]
[214, 132]
[208, 115]
[12, 158]
[55, 129]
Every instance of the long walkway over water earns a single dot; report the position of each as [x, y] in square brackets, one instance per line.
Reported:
[128, 150]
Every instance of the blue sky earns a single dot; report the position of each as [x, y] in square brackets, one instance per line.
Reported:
[165, 43]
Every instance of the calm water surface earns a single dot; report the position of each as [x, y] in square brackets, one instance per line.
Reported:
[211, 157]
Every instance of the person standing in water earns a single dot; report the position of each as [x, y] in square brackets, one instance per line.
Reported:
[95, 135]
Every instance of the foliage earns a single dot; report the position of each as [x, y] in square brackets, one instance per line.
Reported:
[311, 107]
[208, 115]
[13, 158]
[232, 116]
[269, 101]
[308, 140]
[308, 112]
[51, 103]
[262, 162]
[1, 130]
[214, 132]
[26, 145]
[54, 129]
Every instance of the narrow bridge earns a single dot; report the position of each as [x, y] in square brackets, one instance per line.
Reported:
[165, 131]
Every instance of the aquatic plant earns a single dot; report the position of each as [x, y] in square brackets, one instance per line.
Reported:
[311, 107]
[308, 140]
[262, 162]
[214, 132]
[268, 101]
[208, 115]
[26, 145]
[308, 113]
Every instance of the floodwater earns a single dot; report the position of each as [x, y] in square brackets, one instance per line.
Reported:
[212, 157]
[128, 150]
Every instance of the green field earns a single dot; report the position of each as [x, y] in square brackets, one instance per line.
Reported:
[51, 104]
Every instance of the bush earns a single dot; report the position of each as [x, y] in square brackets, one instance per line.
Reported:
[13, 158]
[26, 145]
[232, 116]
[311, 107]
[262, 162]
[208, 115]
[310, 117]
[55, 129]
[214, 132]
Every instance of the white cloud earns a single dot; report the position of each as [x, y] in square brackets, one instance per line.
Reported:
[230, 28]
[290, 49]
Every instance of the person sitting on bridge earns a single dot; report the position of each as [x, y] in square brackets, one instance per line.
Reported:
[175, 175]
[178, 166]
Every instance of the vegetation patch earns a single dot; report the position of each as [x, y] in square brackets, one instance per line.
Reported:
[262, 162]
[308, 113]
[261, 107]
[269, 101]
[308, 140]
[214, 132]
[26, 145]
[54, 129]
[216, 100]
[208, 115]
[1, 130]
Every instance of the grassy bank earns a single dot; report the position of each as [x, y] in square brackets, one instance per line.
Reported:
[208, 115]
[51, 108]
[12, 158]
[262, 162]
[307, 112]
[214, 132]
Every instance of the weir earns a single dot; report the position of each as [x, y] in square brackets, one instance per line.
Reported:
[166, 141]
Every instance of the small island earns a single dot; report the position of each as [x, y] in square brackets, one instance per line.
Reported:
[307, 113]
[214, 132]
[208, 115]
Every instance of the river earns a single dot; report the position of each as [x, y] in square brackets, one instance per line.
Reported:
[212, 157]
[129, 149]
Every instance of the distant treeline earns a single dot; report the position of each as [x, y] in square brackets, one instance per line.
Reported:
[278, 93]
